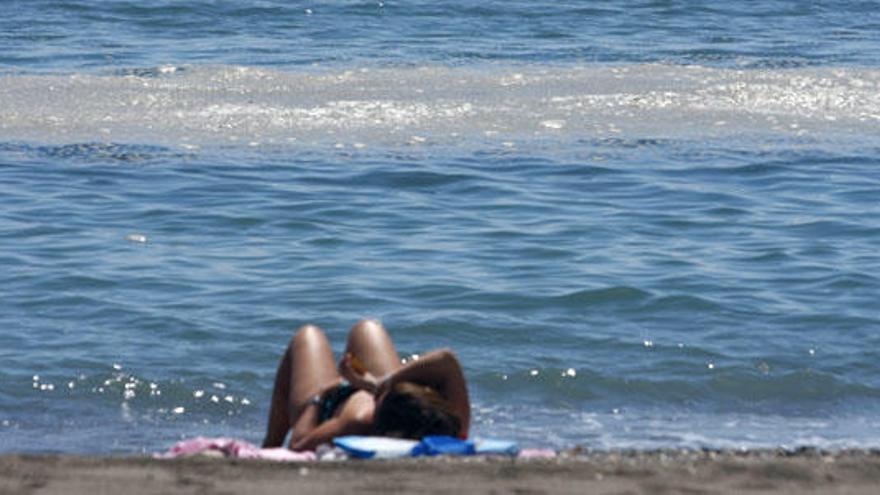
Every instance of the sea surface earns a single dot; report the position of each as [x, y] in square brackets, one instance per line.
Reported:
[639, 224]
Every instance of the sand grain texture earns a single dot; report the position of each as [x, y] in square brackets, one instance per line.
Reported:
[596, 473]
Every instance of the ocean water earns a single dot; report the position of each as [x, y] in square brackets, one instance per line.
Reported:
[639, 224]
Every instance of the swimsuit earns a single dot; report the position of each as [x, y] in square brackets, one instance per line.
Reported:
[333, 399]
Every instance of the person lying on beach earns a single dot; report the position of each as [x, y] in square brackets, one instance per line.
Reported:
[371, 392]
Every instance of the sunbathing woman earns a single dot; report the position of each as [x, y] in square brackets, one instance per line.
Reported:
[371, 393]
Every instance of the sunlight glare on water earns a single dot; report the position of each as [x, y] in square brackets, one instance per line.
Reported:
[639, 226]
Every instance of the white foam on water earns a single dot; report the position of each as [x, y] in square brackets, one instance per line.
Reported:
[192, 107]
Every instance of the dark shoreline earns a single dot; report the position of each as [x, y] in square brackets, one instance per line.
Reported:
[625, 472]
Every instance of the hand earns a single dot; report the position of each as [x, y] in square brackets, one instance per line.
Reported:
[348, 368]
[383, 386]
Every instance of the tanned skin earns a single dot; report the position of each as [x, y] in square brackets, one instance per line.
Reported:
[371, 364]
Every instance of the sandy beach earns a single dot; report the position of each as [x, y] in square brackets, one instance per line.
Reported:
[706, 472]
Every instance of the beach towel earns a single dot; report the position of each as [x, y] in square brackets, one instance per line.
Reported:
[352, 446]
[235, 448]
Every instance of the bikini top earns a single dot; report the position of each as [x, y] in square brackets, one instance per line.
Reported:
[333, 399]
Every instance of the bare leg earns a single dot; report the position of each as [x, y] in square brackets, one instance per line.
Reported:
[306, 367]
[372, 345]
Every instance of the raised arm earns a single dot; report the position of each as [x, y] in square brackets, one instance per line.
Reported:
[438, 369]
[441, 371]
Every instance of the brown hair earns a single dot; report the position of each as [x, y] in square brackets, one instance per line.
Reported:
[414, 411]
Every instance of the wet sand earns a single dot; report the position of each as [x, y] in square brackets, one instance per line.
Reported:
[661, 472]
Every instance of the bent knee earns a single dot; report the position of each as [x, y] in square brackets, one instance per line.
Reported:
[368, 326]
[306, 331]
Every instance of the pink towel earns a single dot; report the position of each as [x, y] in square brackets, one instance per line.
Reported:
[231, 447]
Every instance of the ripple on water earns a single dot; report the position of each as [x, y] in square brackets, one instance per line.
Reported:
[610, 291]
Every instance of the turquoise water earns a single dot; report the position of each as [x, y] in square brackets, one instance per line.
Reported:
[644, 226]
